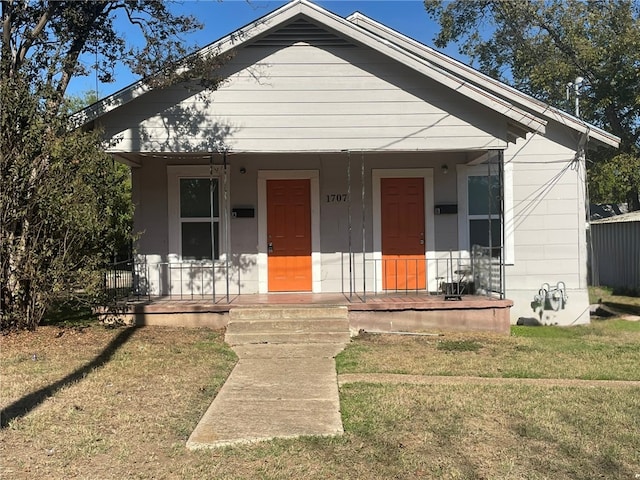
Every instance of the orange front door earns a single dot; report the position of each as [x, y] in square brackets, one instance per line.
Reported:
[289, 235]
[402, 222]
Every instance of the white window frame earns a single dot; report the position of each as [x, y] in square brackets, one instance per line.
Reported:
[174, 174]
[463, 173]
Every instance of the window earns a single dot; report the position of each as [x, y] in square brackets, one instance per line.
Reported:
[196, 209]
[478, 198]
[484, 201]
[199, 218]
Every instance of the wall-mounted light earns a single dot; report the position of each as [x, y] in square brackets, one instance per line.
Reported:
[243, 170]
[445, 169]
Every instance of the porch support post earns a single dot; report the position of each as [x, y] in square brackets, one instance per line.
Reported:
[502, 225]
[213, 238]
[364, 236]
[349, 224]
[227, 226]
[489, 226]
[498, 160]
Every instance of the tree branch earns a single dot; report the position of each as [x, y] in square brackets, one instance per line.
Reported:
[78, 44]
[31, 36]
[7, 16]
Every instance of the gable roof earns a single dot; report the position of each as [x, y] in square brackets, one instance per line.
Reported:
[524, 114]
[481, 80]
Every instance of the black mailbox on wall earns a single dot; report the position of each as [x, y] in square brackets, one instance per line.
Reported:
[244, 212]
[445, 209]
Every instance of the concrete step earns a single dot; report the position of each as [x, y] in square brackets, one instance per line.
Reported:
[303, 325]
[289, 338]
[283, 311]
[287, 324]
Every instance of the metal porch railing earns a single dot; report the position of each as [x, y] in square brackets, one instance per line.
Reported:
[451, 274]
[131, 280]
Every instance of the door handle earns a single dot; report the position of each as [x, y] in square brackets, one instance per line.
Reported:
[270, 247]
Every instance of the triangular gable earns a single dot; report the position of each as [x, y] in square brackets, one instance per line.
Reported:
[285, 23]
[300, 30]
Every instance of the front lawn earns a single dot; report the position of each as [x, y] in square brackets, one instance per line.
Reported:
[86, 402]
[605, 350]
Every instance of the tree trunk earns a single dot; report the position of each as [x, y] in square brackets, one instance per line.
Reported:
[633, 200]
[22, 307]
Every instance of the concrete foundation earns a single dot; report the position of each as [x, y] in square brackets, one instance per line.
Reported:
[378, 314]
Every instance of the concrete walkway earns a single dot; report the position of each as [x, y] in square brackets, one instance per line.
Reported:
[274, 391]
[395, 379]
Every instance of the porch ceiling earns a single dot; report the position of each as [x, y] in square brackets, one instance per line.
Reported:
[136, 158]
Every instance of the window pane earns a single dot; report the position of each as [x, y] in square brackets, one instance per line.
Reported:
[195, 197]
[216, 241]
[196, 240]
[216, 196]
[479, 195]
[479, 234]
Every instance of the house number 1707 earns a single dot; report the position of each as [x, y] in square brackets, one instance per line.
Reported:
[337, 197]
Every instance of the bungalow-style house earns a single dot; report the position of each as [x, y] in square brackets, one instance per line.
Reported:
[339, 156]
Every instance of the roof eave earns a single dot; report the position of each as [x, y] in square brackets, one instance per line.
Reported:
[497, 87]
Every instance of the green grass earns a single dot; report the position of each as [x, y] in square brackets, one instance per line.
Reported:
[129, 415]
[70, 314]
[506, 432]
[551, 332]
[597, 327]
[608, 349]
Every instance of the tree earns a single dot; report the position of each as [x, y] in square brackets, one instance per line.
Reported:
[61, 201]
[539, 46]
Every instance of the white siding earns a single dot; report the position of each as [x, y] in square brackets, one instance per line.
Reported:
[550, 226]
[304, 98]
[320, 100]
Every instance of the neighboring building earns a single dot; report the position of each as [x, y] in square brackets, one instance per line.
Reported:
[599, 211]
[332, 140]
[615, 250]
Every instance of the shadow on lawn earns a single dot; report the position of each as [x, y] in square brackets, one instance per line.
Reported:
[27, 403]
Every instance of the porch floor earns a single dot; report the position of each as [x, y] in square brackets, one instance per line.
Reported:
[355, 302]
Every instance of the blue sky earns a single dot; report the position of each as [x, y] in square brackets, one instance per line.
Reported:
[223, 17]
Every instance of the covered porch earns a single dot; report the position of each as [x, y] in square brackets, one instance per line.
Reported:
[368, 222]
[450, 277]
